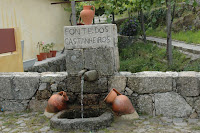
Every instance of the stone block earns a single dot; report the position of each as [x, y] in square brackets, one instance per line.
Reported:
[90, 36]
[13, 106]
[74, 61]
[50, 77]
[62, 86]
[188, 84]
[99, 86]
[54, 87]
[118, 82]
[101, 59]
[91, 75]
[145, 104]
[190, 101]
[74, 84]
[25, 85]
[171, 104]
[128, 92]
[41, 69]
[37, 105]
[53, 68]
[197, 105]
[150, 82]
[43, 86]
[43, 94]
[6, 86]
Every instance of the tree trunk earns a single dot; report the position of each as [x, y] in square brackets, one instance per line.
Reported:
[142, 26]
[113, 16]
[169, 36]
[73, 13]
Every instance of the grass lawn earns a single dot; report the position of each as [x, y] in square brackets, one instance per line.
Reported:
[148, 57]
[186, 36]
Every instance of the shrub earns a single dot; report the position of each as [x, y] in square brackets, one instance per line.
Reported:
[158, 17]
[130, 27]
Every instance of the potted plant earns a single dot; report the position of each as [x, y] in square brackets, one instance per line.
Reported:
[40, 56]
[49, 54]
[46, 50]
[52, 51]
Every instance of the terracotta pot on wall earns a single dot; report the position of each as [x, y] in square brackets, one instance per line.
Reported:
[57, 102]
[53, 53]
[87, 14]
[49, 55]
[44, 55]
[39, 57]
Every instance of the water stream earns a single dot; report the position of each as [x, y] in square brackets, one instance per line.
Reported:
[82, 84]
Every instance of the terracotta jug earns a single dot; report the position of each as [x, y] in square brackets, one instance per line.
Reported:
[57, 102]
[120, 103]
[87, 14]
[111, 96]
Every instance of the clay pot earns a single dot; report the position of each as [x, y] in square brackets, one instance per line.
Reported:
[53, 53]
[49, 55]
[44, 55]
[120, 103]
[111, 96]
[39, 57]
[87, 14]
[57, 102]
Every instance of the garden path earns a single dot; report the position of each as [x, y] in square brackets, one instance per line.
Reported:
[192, 50]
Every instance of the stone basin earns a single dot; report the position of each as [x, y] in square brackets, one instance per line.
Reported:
[67, 120]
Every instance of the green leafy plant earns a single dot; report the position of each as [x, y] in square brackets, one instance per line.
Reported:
[51, 45]
[46, 48]
[158, 17]
[130, 27]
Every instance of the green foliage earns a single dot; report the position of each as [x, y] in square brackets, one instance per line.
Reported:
[51, 45]
[158, 17]
[159, 32]
[106, 7]
[45, 48]
[130, 27]
[147, 57]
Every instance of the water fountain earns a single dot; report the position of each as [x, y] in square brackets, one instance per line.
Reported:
[91, 58]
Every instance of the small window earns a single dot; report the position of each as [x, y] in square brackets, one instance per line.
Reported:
[7, 40]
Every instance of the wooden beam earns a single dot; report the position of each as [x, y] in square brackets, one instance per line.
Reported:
[69, 2]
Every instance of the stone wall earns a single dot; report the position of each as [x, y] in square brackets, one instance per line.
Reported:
[56, 64]
[161, 93]
[154, 93]
[22, 91]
